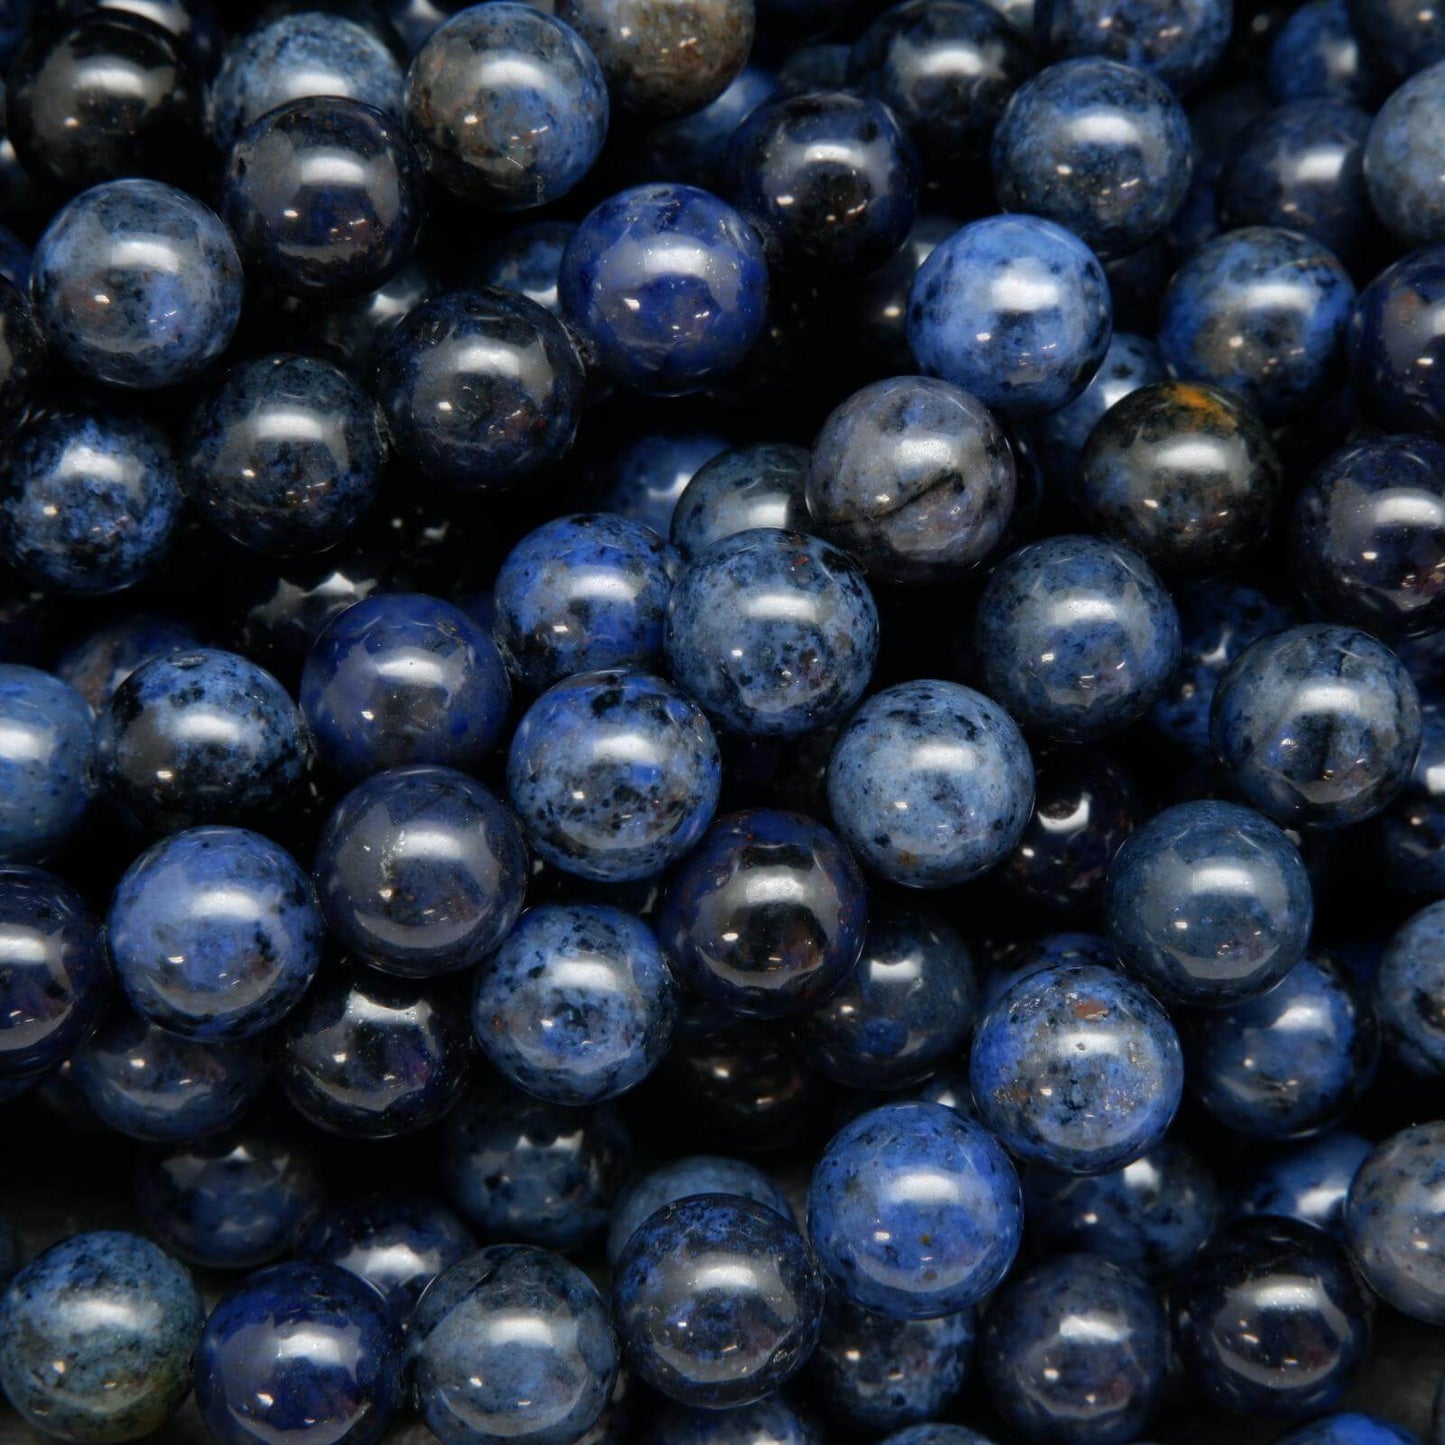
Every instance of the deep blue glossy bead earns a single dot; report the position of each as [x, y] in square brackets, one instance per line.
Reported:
[527, 261]
[299, 1351]
[1013, 309]
[1075, 1350]
[96, 1337]
[293, 57]
[614, 774]
[1180, 41]
[215, 933]
[774, 633]
[1315, 53]
[520, 1168]
[1404, 156]
[1308, 1182]
[1151, 1216]
[1260, 312]
[773, 1421]
[508, 106]
[931, 784]
[669, 285]
[397, 1243]
[1349, 1428]
[421, 871]
[195, 22]
[693, 148]
[1397, 343]
[47, 762]
[766, 916]
[1260, 1298]
[1051, 950]
[1077, 636]
[577, 1005]
[103, 659]
[738, 490]
[403, 678]
[168, 268]
[150, 1084]
[1077, 1068]
[483, 388]
[90, 502]
[354, 329]
[235, 1201]
[1317, 725]
[1290, 1062]
[1410, 991]
[1399, 37]
[717, 1300]
[648, 474]
[915, 1211]
[53, 973]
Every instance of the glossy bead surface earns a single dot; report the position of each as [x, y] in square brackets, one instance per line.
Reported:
[739, 490]
[97, 664]
[1404, 156]
[1397, 343]
[773, 1421]
[1410, 991]
[1180, 42]
[1308, 1182]
[648, 474]
[47, 760]
[527, 260]
[1317, 53]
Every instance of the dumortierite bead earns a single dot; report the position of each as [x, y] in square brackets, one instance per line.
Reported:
[421, 871]
[527, 261]
[915, 1211]
[1260, 312]
[913, 477]
[1404, 158]
[194, 21]
[1315, 53]
[931, 784]
[170, 274]
[1290, 1062]
[1410, 991]
[47, 761]
[22, 354]
[615, 775]
[1151, 1216]
[53, 974]
[717, 1301]
[150, 1084]
[577, 1005]
[1179, 41]
[1075, 1350]
[1349, 1428]
[1013, 309]
[583, 592]
[483, 388]
[293, 57]
[1049, 951]
[299, 1351]
[96, 1337]
[512, 1347]
[397, 1243]
[1261, 1299]
[1077, 1068]
[648, 475]
[668, 284]
[215, 933]
[90, 500]
[403, 678]
[354, 328]
[232, 1202]
[507, 105]
[774, 633]
[1209, 903]
[1077, 636]
[766, 916]
[773, 1421]
[1395, 1221]
[828, 179]
[520, 1168]
[1397, 343]
[1308, 1182]
[738, 490]
[1317, 725]
[1400, 37]
[285, 455]
[98, 664]
[693, 148]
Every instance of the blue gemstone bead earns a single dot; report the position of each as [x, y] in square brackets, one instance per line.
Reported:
[1179, 41]
[103, 659]
[773, 1421]
[1308, 1182]
[740, 490]
[528, 262]
[96, 1337]
[648, 475]
[1349, 1428]
[1317, 53]
[1402, 38]
[693, 148]
[937, 1435]
[1404, 156]
[355, 328]
[1410, 991]
[47, 761]
[1397, 343]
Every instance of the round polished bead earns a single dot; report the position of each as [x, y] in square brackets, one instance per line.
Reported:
[1181, 41]
[646, 477]
[527, 260]
[1397, 343]
[1317, 53]
[1404, 156]
[47, 761]
[739, 490]
[1410, 991]
[1308, 1182]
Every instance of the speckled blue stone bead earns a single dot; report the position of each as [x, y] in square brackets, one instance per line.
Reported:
[299, 1351]
[669, 285]
[1289, 1062]
[168, 269]
[1075, 1350]
[520, 1168]
[739, 490]
[1317, 725]
[1410, 991]
[915, 1211]
[1308, 1182]
[1316, 53]
[1077, 1068]
[421, 871]
[403, 678]
[511, 1347]
[215, 933]
[1179, 41]
[47, 762]
[97, 664]
[647, 476]
[1077, 636]
[717, 1300]
[1349, 1428]
[774, 633]
[96, 1337]
[90, 500]
[773, 1421]
[1013, 309]
[930, 783]
[1397, 343]
[1404, 157]
[1260, 312]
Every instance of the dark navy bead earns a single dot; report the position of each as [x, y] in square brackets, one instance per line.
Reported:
[1402, 38]
[693, 148]
[1410, 991]
[740, 490]
[931, 784]
[102, 660]
[96, 1337]
[527, 261]
[47, 762]
[1316, 53]
[649, 474]
[421, 871]
[195, 22]
[773, 1421]
[1397, 344]
[1349, 1428]
[1308, 1182]
[1180, 41]
[354, 329]
[299, 1351]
